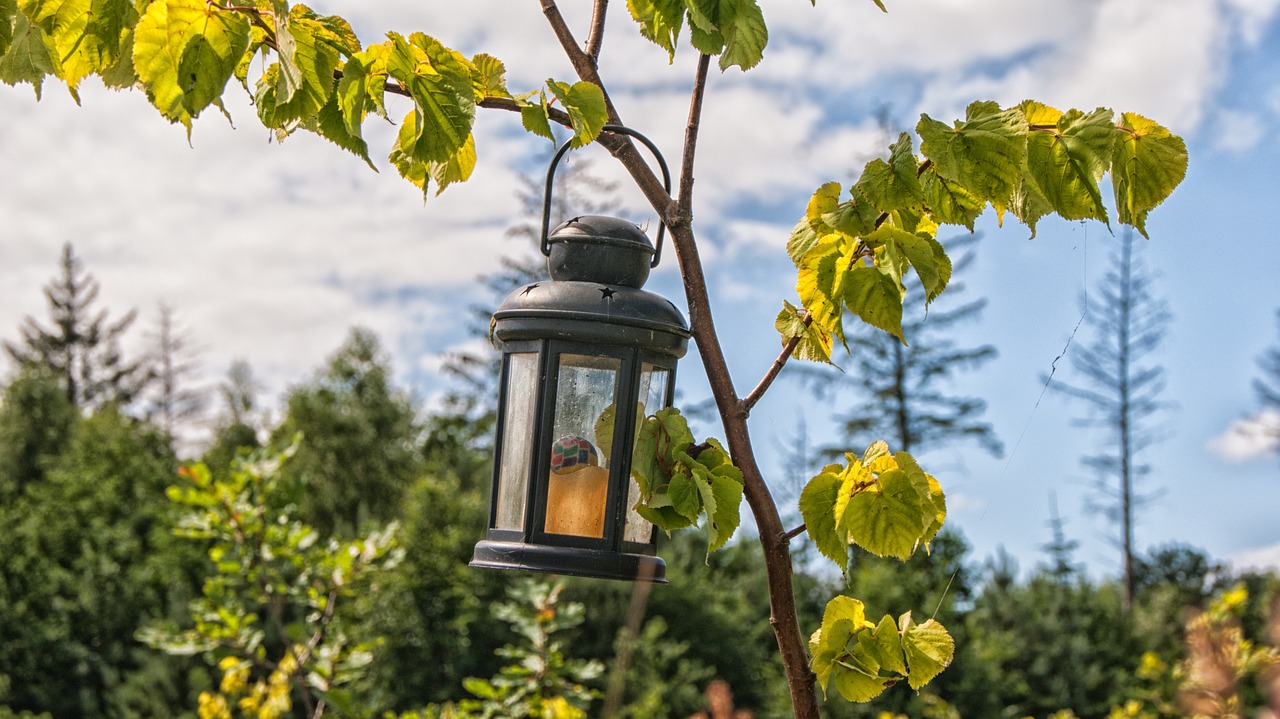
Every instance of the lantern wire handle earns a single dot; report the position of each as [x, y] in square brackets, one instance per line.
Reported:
[551, 171]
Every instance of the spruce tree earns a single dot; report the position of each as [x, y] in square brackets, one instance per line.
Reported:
[83, 346]
[1122, 389]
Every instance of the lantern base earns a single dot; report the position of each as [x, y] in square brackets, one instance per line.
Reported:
[572, 561]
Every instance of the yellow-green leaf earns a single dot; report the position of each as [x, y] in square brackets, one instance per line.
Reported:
[490, 77]
[439, 82]
[928, 648]
[893, 185]
[873, 296]
[184, 52]
[660, 21]
[534, 118]
[27, 59]
[1068, 158]
[983, 154]
[1147, 163]
[584, 102]
[817, 507]
[889, 519]
[724, 517]
[813, 345]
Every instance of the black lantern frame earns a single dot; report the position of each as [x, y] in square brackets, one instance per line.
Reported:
[575, 349]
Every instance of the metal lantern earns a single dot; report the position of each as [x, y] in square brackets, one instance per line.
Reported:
[585, 357]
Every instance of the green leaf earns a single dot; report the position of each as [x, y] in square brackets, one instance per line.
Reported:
[888, 519]
[27, 59]
[289, 75]
[745, 35]
[86, 34]
[874, 296]
[819, 283]
[8, 9]
[684, 496]
[353, 95]
[893, 185]
[490, 77]
[885, 645]
[928, 648]
[585, 104]
[330, 124]
[949, 203]
[184, 52]
[724, 518]
[1147, 163]
[824, 201]
[925, 254]
[842, 619]
[316, 58]
[660, 21]
[665, 518]
[535, 119]
[1067, 159]
[984, 154]
[856, 684]
[803, 239]
[704, 30]
[814, 344]
[817, 507]
[439, 82]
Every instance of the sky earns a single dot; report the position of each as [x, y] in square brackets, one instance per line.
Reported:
[270, 252]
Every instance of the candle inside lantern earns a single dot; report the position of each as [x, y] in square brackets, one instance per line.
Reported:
[577, 489]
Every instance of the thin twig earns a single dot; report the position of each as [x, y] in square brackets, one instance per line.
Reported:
[685, 206]
[788, 536]
[596, 37]
[787, 350]
[582, 62]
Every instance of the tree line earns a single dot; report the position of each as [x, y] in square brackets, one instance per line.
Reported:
[93, 563]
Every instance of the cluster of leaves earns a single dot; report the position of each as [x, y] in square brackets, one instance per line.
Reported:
[863, 658]
[540, 682]
[885, 504]
[1030, 159]
[680, 480]
[882, 502]
[269, 609]
[183, 53]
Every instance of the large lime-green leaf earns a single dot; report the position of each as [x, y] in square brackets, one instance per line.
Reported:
[925, 254]
[885, 645]
[928, 648]
[439, 81]
[1147, 163]
[184, 52]
[813, 345]
[660, 21]
[983, 154]
[733, 29]
[949, 202]
[875, 297]
[817, 507]
[27, 59]
[683, 493]
[724, 518]
[457, 167]
[86, 34]
[315, 58]
[1067, 156]
[888, 520]
[893, 185]
[857, 683]
[819, 283]
[585, 104]
[842, 619]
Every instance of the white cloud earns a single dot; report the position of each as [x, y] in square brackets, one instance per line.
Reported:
[1237, 131]
[1259, 558]
[1249, 439]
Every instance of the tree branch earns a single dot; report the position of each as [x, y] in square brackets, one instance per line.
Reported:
[685, 206]
[792, 534]
[596, 37]
[505, 103]
[582, 62]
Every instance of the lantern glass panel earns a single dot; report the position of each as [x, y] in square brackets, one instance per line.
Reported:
[517, 439]
[653, 397]
[578, 482]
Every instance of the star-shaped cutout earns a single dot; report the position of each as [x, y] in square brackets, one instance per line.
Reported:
[606, 293]
[530, 288]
